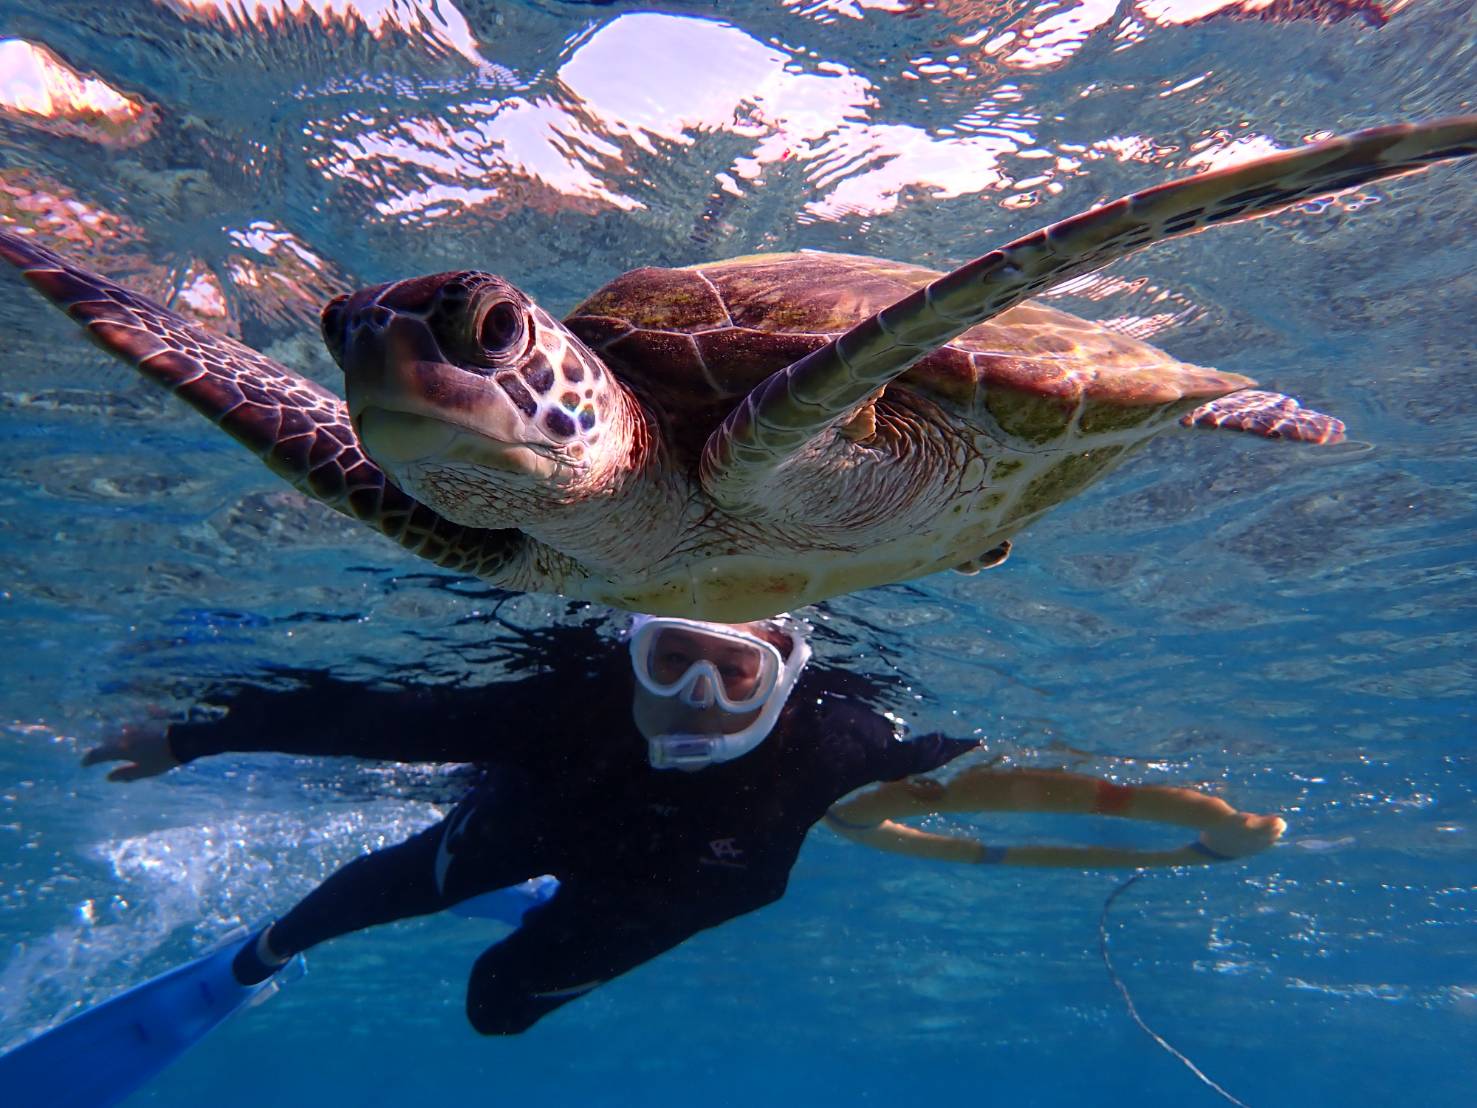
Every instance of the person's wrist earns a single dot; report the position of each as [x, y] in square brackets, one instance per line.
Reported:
[1207, 853]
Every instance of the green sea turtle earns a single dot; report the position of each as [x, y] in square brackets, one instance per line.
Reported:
[733, 439]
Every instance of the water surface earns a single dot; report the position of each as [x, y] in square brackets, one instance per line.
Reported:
[1291, 627]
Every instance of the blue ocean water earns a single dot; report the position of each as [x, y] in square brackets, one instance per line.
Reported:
[1291, 628]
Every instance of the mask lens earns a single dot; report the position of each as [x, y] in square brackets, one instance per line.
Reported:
[683, 660]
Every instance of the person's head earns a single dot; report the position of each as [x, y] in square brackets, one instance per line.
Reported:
[710, 692]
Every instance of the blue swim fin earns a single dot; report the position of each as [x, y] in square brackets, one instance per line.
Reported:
[509, 905]
[102, 1055]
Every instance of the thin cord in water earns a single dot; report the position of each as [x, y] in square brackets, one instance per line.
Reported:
[1102, 935]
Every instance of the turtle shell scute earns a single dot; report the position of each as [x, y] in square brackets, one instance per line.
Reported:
[696, 337]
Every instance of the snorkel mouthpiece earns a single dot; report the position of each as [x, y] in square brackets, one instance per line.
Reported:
[687, 752]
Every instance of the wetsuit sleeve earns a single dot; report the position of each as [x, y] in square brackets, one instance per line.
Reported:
[861, 747]
[920, 754]
[428, 724]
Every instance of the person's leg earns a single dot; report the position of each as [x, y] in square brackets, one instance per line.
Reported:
[464, 855]
[568, 947]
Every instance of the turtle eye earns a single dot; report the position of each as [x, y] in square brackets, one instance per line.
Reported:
[500, 328]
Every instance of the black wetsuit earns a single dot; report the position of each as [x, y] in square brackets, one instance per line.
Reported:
[645, 858]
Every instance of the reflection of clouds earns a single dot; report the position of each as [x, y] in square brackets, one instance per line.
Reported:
[277, 276]
[1153, 310]
[1058, 34]
[1127, 148]
[642, 84]
[1182, 12]
[38, 88]
[1222, 149]
[33, 203]
[720, 78]
[472, 156]
[612, 125]
[668, 75]
[199, 293]
[997, 38]
[283, 279]
[437, 23]
[1054, 31]
[827, 11]
[901, 158]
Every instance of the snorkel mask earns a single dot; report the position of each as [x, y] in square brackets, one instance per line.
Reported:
[703, 665]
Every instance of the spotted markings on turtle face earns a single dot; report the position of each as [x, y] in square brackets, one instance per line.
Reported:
[539, 376]
[511, 384]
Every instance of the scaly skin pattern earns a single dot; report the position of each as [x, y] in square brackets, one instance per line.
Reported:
[476, 400]
[777, 422]
[916, 430]
[298, 428]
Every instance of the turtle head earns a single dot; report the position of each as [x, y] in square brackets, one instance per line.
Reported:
[473, 399]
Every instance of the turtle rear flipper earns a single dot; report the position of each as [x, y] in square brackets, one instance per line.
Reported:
[299, 428]
[789, 409]
[1268, 414]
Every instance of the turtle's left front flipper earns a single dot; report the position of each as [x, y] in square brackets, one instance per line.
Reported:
[300, 429]
[826, 388]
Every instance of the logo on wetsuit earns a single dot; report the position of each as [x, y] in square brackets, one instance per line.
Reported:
[725, 852]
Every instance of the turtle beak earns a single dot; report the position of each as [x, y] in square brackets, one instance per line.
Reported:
[370, 339]
[356, 328]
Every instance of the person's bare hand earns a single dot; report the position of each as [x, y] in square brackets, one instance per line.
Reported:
[143, 747]
[1241, 833]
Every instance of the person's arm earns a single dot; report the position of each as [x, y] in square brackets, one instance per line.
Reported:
[337, 719]
[1224, 832]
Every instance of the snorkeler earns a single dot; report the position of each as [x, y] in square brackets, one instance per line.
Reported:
[667, 794]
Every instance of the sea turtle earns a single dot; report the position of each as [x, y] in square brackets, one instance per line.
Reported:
[736, 438]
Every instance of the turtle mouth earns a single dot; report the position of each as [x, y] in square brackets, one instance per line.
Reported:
[422, 413]
[398, 440]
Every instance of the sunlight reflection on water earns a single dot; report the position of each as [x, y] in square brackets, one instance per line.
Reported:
[1299, 634]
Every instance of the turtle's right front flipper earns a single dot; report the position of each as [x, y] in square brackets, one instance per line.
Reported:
[830, 385]
[300, 429]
